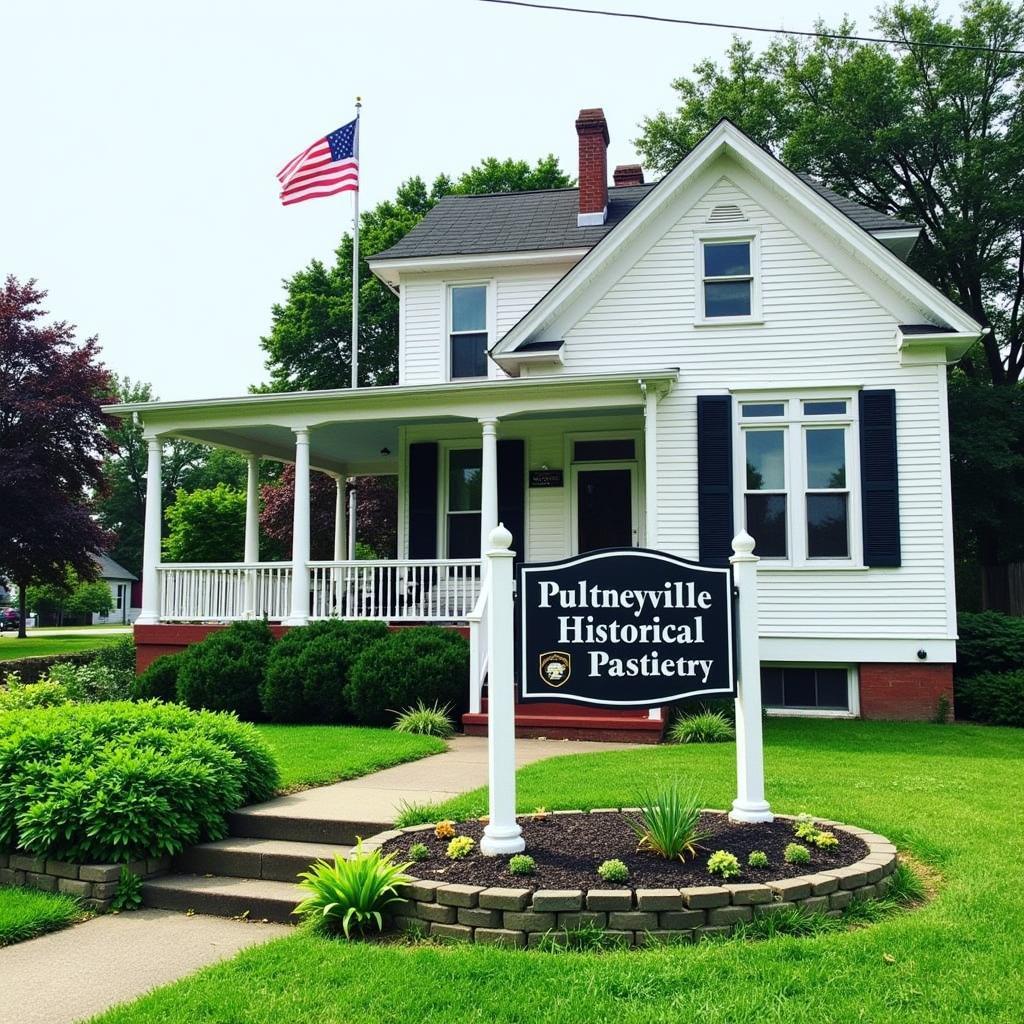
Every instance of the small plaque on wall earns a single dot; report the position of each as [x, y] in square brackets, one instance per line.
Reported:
[546, 478]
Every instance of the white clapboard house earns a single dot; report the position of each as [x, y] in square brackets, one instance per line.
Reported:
[652, 364]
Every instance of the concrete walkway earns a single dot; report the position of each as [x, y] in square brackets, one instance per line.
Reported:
[380, 796]
[73, 974]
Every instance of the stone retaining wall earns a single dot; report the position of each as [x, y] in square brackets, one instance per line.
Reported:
[522, 917]
[94, 884]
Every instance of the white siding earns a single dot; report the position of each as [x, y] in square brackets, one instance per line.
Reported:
[820, 329]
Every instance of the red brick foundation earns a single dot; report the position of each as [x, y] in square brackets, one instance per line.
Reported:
[171, 638]
[902, 692]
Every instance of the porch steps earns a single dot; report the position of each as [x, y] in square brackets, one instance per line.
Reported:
[239, 876]
[557, 721]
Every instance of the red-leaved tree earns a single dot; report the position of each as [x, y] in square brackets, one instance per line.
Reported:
[52, 443]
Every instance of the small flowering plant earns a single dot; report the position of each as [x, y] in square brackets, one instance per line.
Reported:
[723, 864]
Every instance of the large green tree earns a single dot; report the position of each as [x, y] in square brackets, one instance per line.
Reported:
[932, 135]
[308, 347]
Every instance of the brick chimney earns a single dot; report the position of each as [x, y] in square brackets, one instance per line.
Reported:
[592, 129]
[628, 174]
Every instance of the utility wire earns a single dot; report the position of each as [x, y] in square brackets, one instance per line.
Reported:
[755, 28]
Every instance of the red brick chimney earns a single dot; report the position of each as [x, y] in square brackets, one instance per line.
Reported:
[628, 174]
[592, 129]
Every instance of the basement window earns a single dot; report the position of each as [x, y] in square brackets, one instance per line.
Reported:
[807, 689]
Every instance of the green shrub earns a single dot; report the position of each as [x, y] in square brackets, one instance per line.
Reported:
[796, 854]
[723, 864]
[824, 840]
[521, 864]
[613, 870]
[419, 851]
[91, 683]
[669, 823]
[109, 783]
[18, 696]
[758, 859]
[429, 663]
[308, 670]
[118, 656]
[160, 680]
[434, 720]
[705, 727]
[129, 891]
[989, 642]
[460, 848]
[352, 892]
[993, 697]
[224, 670]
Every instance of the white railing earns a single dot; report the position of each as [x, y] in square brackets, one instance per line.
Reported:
[396, 591]
[436, 590]
[219, 591]
[479, 649]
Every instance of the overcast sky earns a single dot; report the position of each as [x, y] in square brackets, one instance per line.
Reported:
[141, 141]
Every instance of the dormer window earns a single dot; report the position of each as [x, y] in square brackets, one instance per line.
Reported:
[728, 278]
[468, 333]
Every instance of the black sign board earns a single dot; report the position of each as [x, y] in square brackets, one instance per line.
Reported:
[546, 478]
[625, 627]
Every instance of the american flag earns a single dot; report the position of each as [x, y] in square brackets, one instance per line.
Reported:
[329, 166]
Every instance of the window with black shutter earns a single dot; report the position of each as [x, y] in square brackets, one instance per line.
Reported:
[879, 475]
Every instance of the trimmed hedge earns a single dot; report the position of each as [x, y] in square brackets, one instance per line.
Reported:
[989, 642]
[223, 672]
[159, 680]
[427, 663]
[308, 670]
[115, 782]
[993, 697]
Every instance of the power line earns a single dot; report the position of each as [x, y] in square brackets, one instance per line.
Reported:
[754, 28]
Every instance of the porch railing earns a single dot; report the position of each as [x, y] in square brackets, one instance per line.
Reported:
[433, 590]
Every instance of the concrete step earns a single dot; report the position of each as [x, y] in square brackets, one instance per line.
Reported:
[257, 822]
[275, 860]
[256, 898]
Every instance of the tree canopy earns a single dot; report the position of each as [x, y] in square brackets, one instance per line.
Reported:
[308, 347]
[52, 442]
[933, 136]
[206, 525]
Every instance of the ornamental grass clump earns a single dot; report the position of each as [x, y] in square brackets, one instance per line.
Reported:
[351, 893]
[613, 870]
[723, 864]
[669, 823]
[704, 727]
[426, 720]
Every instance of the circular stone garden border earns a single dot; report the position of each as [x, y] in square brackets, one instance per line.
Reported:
[503, 916]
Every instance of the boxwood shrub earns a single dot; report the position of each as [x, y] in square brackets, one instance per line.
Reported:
[114, 782]
[989, 642]
[224, 670]
[428, 663]
[308, 670]
[993, 697]
[159, 680]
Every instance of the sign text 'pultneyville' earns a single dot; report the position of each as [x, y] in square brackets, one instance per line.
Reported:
[624, 627]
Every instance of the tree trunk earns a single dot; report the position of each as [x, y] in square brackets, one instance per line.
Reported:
[22, 609]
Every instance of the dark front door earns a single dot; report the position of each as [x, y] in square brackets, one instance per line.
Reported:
[604, 511]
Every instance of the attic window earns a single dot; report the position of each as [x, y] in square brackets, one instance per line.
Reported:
[725, 213]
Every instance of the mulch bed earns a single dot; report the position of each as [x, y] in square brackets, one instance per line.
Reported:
[569, 847]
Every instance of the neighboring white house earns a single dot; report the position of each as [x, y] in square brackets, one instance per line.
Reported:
[120, 581]
[647, 364]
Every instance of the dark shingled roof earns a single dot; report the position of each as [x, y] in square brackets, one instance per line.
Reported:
[531, 221]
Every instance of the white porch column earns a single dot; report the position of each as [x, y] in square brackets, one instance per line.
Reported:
[750, 804]
[352, 509]
[299, 614]
[252, 531]
[150, 613]
[340, 526]
[488, 485]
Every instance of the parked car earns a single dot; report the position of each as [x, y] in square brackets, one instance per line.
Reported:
[9, 618]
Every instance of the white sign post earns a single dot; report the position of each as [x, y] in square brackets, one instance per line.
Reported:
[502, 836]
[750, 804]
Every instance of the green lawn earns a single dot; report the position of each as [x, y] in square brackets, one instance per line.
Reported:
[951, 795]
[26, 913]
[40, 645]
[313, 755]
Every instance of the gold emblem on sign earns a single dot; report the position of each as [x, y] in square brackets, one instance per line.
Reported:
[555, 668]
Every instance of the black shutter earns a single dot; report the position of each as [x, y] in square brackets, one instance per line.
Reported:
[512, 492]
[423, 500]
[714, 478]
[879, 478]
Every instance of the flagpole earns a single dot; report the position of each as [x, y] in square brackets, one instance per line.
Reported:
[355, 262]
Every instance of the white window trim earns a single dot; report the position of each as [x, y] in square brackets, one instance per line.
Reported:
[795, 422]
[852, 693]
[490, 321]
[729, 233]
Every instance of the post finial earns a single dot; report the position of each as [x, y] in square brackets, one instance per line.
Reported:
[743, 543]
[500, 538]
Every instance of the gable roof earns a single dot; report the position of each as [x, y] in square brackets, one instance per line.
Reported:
[546, 220]
[811, 195]
[111, 570]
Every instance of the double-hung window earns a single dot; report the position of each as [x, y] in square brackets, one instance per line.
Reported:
[728, 285]
[464, 495]
[796, 473]
[467, 330]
